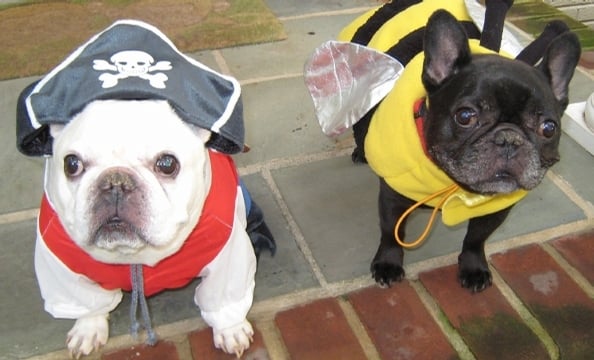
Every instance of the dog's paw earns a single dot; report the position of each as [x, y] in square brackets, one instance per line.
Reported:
[235, 339]
[386, 273]
[476, 280]
[473, 272]
[87, 334]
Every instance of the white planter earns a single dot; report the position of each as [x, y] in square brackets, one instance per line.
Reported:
[589, 113]
[574, 124]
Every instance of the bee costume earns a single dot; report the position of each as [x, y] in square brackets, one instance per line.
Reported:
[388, 122]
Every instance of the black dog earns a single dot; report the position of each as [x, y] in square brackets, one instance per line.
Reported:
[491, 125]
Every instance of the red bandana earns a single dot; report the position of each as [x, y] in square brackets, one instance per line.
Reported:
[203, 244]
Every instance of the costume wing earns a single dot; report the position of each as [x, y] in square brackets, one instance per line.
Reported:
[346, 80]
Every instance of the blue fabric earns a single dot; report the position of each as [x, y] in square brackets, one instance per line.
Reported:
[131, 60]
[247, 198]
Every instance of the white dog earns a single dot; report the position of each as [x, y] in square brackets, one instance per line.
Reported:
[140, 192]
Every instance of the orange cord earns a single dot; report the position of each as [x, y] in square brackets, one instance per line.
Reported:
[447, 192]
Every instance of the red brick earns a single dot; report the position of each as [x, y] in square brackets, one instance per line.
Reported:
[578, 250]
[203, 348]
[399, 325]
[565, 311]
[487, 322]
[318, 330]
[163, 350]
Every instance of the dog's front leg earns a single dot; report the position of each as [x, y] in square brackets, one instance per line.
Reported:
[88, 334]
[473, 269]
[386, 266]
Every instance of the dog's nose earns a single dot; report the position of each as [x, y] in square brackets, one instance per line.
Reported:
[509, 140]
[117, 180]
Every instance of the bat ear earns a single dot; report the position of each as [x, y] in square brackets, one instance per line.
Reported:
[446, 49]
[559, 64]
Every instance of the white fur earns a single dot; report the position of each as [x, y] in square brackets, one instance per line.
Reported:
[130, 135]
[235, 339]
[87, 334]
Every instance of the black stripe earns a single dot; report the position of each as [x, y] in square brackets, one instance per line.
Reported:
[364, 33]
[412, 44]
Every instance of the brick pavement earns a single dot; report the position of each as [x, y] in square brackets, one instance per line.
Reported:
[540, 307]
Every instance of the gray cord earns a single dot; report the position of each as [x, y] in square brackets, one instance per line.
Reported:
[137, 280]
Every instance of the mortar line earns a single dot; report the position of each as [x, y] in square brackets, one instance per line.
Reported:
[291, 161]
[18, 216]
[262, 79]
[221, 62]
[448, 330]
[273, 340]
[538, 237]
[586, 206]
[294, 228]
[327, 13]
[532, 322]
[182, 345]
[573, 273]
[268, 308]
[358, 329]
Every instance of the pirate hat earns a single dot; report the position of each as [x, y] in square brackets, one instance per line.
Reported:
[131, 60]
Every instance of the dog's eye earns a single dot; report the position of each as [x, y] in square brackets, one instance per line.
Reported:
[73, 166]
[167, 165]
[547, 129]
[466, 117]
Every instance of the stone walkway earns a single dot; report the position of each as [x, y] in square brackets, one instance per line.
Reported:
[315, 299]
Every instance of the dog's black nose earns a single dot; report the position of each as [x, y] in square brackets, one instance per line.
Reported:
[509, 140]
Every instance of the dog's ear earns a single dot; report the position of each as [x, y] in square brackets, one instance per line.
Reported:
[446, 49]
[56, 129]
[559, 62]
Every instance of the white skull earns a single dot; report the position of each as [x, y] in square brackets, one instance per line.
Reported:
[132, 62]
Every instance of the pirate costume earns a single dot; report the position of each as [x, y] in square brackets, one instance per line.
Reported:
[132, 60]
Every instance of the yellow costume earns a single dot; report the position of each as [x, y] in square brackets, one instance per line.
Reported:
[392, 146]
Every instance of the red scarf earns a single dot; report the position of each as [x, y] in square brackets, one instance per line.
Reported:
[200, 248]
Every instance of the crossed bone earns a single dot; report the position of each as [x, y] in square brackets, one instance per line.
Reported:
[156, 80]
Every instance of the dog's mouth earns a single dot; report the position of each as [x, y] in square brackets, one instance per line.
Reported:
[487, 169]
[116, 234]
[504, 176]
[505, 181]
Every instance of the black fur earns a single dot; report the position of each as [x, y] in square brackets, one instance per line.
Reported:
[510, 99]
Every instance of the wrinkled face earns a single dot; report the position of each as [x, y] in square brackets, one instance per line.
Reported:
[128, 180]
[494, 131]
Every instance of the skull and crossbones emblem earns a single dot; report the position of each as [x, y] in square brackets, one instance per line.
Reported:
[132, 63]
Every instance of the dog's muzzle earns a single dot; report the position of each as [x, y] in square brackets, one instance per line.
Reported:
[118, 212]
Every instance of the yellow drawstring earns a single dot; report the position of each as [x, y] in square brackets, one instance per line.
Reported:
[447, 192]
